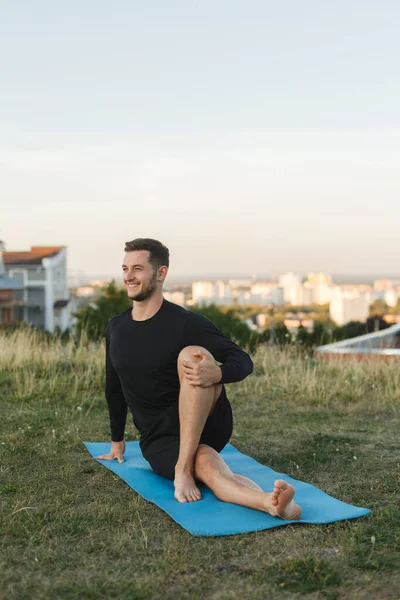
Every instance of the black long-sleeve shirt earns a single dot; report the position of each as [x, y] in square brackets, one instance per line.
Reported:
[141, 362]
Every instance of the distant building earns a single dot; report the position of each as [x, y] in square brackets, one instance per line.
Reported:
[292, 288]
[268, 293]
[391, 319]
[240, 283]
[319, 279]
[293, 324]
[205, 293]
[175, 297]
[382, 285]
[43, 299]
[222, 290]
[202, 290]
[261, 320]
[8, 286]
[86, 291]
[384, 343]
[321, 293]
[389, 296]
[349, 305]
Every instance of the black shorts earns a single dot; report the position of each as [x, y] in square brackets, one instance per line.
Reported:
[160, 445]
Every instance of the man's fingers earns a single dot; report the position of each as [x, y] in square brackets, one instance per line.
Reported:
[188, 365]
[110, 457]
[191, 377]
[189, 373]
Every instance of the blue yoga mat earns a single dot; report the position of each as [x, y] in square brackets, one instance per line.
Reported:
[210, 516]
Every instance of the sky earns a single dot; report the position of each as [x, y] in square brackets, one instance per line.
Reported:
[248, 136]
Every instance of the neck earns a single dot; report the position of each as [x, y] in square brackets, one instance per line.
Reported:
[142, 311]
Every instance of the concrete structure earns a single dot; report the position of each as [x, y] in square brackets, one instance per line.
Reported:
[240, 283]
[305, 295]
[269, 293]
[349, 305]
[205, 293]
[292, 288]
[202, 290]
[175, 297]
[390, 296]
[321, 293]
[319, 279]
[293, 324]
[383, 343]
[43, 300]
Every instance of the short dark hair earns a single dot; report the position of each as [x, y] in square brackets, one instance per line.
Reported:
[159, 254]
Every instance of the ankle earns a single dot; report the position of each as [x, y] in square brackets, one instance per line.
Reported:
[183, 468]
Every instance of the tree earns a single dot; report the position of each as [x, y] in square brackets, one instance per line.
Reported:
[230, 325]
[93, 319]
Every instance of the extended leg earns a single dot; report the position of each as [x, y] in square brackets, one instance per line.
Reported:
[195, 405]
[212, 470]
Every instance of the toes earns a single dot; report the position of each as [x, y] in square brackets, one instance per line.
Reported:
[280, 484]
[191, 496]
[180, 497]
[197, 494]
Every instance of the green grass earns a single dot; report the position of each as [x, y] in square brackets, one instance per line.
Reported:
[72, 530]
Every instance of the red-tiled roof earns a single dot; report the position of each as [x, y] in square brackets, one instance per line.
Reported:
[32, 257]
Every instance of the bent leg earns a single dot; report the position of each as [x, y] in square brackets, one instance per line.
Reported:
[195, 406]
[212, 470]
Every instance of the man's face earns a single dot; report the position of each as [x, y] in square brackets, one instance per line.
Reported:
[139, 278]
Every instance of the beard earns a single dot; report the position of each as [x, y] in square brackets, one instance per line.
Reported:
[148, 290]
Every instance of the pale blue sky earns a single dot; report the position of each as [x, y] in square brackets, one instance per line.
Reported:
[246, 135]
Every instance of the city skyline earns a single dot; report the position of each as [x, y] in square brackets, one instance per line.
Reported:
[337, 278]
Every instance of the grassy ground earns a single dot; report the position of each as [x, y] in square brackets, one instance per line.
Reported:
[72, 530]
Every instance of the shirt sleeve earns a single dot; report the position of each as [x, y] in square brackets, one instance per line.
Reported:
[236, 364]
[117, 406]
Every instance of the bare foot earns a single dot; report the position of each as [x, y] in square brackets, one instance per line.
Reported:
[282, 501]
[185, 488]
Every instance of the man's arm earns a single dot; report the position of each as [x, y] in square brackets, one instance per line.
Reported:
[117, 406]
[236, 364]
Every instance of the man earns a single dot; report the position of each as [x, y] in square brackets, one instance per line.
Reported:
[161, 363]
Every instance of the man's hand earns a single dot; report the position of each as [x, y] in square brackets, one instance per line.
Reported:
[204, 373]
[117, 450]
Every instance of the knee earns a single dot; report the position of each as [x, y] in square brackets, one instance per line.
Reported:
[189, 354]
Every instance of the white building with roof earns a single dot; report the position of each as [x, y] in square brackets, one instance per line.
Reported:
[8, 288]
[43, 300]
